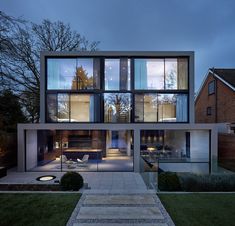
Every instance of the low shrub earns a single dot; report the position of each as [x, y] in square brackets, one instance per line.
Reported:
[214, 182]
[71, 181]
[168, 181]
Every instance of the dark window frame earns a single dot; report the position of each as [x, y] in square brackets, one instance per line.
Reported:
[132, 90]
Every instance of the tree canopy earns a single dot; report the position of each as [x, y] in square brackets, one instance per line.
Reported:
[20, 45]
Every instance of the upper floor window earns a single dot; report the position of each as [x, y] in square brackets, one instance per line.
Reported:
[117, 107]
[160, 74]
[64, 107]
[211, 87]
[155, 107]
[73, 74]
[117, 74]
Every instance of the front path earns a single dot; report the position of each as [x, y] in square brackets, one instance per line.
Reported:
[123, 201]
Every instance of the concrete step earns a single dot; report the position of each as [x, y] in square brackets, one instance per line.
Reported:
[119, 200]
[120, 213]
[118, 224]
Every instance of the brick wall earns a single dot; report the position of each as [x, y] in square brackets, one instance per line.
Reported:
[225, 103]
[203, 101]
[226, 146]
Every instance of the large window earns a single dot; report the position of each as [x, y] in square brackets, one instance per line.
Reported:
[82, 108]
[51, 108]
[160, 74]
[117, 107]
[117, 74]
[64, 107]
[161, 108]
[73, 74]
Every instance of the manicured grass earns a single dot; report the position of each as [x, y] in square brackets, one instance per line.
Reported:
[36, 209]
[200, 209]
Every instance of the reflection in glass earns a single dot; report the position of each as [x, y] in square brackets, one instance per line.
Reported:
[146, 108]
[171, 74]
[168, 73]
[149, 73]
[117, 74]
[51, 108]
[73, 73]
[182, 73]
[117, 107]
[63, 107]
[60, 73]
[167, 108]
[161, 108]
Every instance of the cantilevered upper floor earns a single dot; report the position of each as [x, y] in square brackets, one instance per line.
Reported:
[117, 87]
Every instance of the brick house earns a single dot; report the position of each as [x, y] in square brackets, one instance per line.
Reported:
[215, 101]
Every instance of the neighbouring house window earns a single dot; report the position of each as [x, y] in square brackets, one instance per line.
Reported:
[117, 74]
[73, 74]
[209, 111]
[117, 107]
[161, 74]
[211, 87]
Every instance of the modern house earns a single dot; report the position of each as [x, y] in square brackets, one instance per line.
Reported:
[117, 111]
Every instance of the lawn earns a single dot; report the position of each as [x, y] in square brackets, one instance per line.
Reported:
[200, 209]
[36, 209]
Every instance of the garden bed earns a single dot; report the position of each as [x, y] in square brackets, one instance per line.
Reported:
[189, 182]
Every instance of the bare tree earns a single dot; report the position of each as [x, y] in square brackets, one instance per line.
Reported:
[20, 60]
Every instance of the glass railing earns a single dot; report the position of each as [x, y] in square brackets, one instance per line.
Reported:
[149, 165]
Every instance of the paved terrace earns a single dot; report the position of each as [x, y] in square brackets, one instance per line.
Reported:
[114, 199]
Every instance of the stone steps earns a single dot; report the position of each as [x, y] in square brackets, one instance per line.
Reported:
[119, 209]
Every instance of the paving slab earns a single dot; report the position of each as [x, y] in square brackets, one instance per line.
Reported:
[119, 200]
[120, 213]
[118, 224]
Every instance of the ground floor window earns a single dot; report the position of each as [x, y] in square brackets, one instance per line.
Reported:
[79, 150]
[176, 150]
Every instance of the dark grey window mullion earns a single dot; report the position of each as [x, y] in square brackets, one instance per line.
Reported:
[123, 81]
[69, 107]
[57, 114]
[164, 74]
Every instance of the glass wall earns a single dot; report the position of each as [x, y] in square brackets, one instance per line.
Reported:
[161, 74]
[79, 150]
[149, 74]
[64, 107]
[117, 107]
[51, 108]
[117, 74]
[73, 74]
[177, 150]
[75, 94]
[161, 108]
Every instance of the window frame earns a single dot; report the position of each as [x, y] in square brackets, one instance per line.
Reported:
[132, 90]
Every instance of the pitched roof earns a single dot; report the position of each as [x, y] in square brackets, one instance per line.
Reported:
[228, 75]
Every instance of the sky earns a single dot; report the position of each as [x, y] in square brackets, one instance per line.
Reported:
[204, 26]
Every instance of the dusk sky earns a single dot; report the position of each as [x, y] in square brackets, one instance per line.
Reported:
[204, 26]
